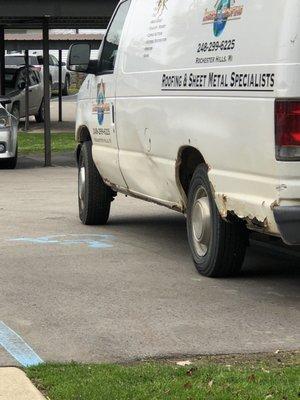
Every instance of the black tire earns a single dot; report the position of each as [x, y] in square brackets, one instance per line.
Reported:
[65, 90]
[94, 203]
[225, 243]
[9, 163]
[40, 116]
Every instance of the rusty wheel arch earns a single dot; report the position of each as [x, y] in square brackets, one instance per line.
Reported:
[188, 159]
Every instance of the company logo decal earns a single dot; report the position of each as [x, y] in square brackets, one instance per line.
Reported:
[101, 107]
[161, 6]
[224, 11]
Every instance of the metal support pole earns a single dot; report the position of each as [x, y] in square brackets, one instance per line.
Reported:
[26, 91]
[2, 62]
[47, 122]
[60, 88]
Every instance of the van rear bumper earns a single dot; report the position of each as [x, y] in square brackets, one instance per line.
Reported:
[288, 222]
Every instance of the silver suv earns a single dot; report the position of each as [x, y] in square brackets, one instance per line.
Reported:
[15, 83]
[37, 61]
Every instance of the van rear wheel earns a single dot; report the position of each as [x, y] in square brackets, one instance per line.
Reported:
[94, 197]
[218, 247]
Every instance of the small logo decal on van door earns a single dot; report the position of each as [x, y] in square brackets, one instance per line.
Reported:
[101, 107]
[224, 11]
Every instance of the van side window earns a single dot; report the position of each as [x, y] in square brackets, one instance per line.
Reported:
[112, 39]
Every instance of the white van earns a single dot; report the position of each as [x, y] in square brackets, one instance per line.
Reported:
[195, 105]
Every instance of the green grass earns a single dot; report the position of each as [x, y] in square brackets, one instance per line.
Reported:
[163, 381]
[31, 143]
[73, 89]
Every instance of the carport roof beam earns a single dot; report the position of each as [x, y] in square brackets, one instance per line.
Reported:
[20, 42]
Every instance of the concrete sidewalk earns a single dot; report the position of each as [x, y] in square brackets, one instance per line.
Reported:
[14, 385]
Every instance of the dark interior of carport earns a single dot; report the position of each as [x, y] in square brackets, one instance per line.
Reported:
[46, 15]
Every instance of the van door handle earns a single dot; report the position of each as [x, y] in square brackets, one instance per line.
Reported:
[112, 110]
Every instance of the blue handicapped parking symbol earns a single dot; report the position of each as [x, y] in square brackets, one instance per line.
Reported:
[92, 241]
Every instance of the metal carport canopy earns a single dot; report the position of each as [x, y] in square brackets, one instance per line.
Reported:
[57, 41]
[61, 14]
[45, 15]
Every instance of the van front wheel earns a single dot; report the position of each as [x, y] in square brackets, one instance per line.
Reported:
[218, 247]
[94, 197]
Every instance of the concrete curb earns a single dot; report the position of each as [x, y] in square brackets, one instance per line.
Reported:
[14, 385]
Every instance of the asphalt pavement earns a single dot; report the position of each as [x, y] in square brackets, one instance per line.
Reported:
[128, 290]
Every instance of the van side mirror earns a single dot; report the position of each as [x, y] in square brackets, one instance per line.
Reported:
[79, 59]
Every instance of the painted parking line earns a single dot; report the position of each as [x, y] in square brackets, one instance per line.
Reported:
[92, 241]
[17, 347]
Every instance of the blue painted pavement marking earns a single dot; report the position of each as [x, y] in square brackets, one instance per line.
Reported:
[92, 241]
[17, 348]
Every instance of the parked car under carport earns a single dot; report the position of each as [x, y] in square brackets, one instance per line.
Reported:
[37, 60]
[15, 84]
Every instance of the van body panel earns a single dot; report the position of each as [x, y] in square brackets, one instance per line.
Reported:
[189, 74]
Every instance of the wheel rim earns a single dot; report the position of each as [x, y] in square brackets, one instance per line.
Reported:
[81, 186]
[201, 222]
